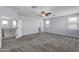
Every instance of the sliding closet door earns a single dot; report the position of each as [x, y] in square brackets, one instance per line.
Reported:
[19, 29]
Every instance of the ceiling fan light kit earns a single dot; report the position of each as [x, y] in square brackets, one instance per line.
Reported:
[44, 13]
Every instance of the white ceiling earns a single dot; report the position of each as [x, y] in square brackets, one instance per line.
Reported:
[28, 11]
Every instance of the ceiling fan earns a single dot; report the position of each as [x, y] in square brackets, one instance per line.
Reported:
[45, 13]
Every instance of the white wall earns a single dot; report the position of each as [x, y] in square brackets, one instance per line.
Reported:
[31, 25]
[60, 26]
[0, 34]
[19, 28]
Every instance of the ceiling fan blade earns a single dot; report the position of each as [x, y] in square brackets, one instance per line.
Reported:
[49, 13]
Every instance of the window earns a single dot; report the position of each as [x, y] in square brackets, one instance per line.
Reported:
[72, 23]
[4, 22]
[47, 23]
[14, 24]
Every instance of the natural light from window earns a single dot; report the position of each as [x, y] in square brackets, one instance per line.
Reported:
[72, 23]
[4, 22]
[47, 23]
[14, 24]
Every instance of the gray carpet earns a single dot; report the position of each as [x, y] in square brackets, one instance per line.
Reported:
[41, 42]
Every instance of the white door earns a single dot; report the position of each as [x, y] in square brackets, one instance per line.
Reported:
[19, 29]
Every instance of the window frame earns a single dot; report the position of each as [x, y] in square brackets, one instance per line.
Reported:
[73, 24]
[4, 22]
[47, 22]
[14, 25]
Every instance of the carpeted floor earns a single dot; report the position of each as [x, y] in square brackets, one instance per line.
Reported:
[41, 42]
